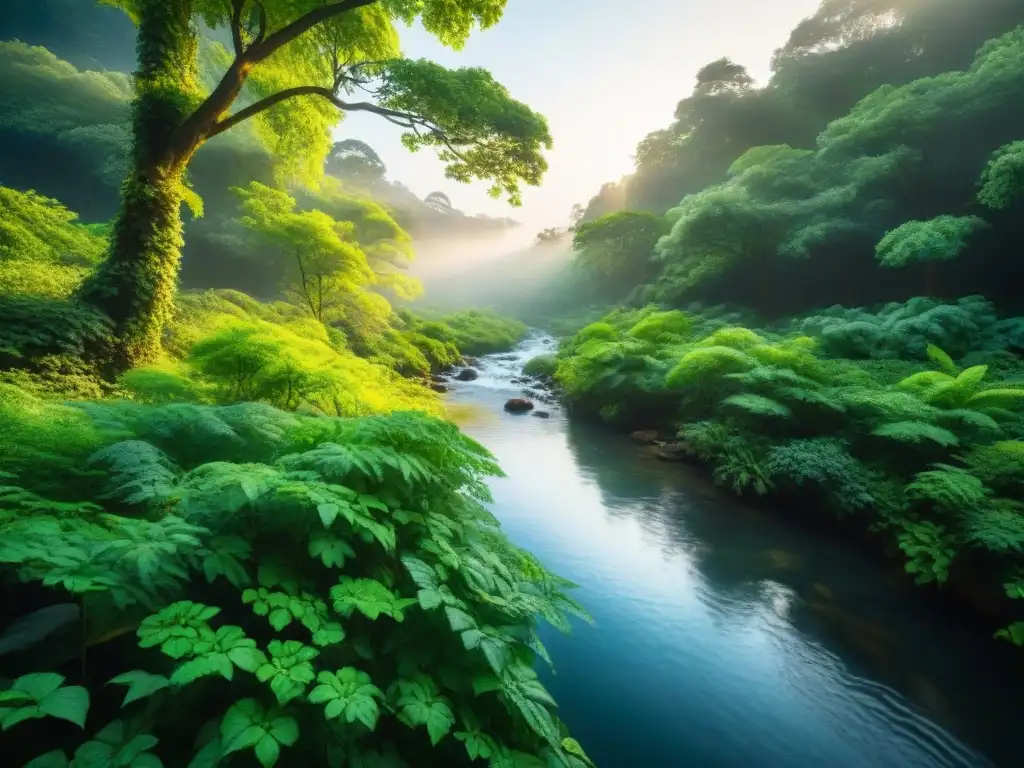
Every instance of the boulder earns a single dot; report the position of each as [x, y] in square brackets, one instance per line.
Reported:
[438, 387]
[541, 414]
[645, 436]
[671, 452]
[470, 361]
[467, 374]
[518, 405]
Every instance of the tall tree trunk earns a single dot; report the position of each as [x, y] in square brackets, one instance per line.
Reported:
[136, 284]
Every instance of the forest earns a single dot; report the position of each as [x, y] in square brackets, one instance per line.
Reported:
[815, 287]
[230, 480]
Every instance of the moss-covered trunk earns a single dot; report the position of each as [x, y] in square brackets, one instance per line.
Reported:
[135, 286]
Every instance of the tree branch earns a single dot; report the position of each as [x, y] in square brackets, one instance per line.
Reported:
[287, 33]
[237, 7]
[401, 119]
[312, 90]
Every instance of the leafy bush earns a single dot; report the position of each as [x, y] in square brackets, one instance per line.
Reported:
[477, 332]
[925, 452]
[315, 590]
[542, 366]
[231, 348]
[35, 327]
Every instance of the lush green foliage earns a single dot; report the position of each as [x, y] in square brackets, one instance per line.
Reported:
[226, 347]
[315, 590]
[874, 134]
[480, 332]
[289, 67]
[543, 366]
[924, 450]
[44, 251]
[616, 248]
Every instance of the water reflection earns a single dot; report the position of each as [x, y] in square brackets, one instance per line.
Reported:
[725, 637]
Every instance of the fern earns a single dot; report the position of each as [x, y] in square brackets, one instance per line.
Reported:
[740, 469]
[758, 405]
[138, 471]
[929, 548]
[826, 465]
[998, 527]
[917, 432]
[951, 489]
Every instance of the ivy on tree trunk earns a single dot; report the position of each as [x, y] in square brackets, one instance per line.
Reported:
[136, 284]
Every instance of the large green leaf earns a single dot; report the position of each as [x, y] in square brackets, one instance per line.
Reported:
[348, 693]
[43, 694]
[247, 725]
[140, 684]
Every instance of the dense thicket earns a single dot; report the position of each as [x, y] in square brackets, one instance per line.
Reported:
[844, 242]
[308, 590]
[877, 114]
[64, 126]
[908, 423]
[233, 527]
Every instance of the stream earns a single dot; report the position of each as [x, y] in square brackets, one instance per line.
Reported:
[725, 635]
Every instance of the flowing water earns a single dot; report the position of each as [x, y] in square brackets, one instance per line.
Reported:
[726, 636]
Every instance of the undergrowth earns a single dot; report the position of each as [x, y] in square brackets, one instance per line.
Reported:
[311, 590]
[863, 416]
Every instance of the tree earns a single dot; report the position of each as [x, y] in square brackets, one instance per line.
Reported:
[617, 247]
[439, 202]
[722, 76]
[355, 161]
[387, 246]
[1002, 181]
[576, 214]
[940, 239]
[551, 235]
[326, 265]
[294, 60]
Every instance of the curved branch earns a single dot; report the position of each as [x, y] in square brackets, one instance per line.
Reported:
[237, 8]
[310, 90]
[402, 119]
[259, 51]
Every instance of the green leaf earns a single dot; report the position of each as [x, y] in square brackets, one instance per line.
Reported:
[1014, 633]
[209, 756]
[222, 559]
[331, 550]
[55, 759]
[328, 513]
[247, 659]
[348, 693]
[140, 684]
[117, 746]
[289, 669]
[248, 725]
[420, 704]
[369, 597]
[268, 750]
[329, 633]
[41, 695]
[280, 618]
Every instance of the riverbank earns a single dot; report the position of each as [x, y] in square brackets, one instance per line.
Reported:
[725, 635]
[923, 461]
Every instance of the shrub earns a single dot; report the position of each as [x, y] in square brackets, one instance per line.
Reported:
[312, 589]
[542, 366]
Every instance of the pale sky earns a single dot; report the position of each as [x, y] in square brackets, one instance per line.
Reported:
[604, 73]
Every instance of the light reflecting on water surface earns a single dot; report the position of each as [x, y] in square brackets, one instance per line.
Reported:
[724, 636]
